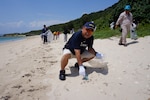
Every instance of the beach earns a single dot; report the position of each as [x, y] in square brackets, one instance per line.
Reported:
[29, 70]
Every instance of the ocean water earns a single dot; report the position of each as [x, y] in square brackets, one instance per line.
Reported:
[10, 39]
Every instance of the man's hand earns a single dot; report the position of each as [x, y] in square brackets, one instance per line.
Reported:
[82, 70]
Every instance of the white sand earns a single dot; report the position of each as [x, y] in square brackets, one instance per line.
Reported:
[29, 71]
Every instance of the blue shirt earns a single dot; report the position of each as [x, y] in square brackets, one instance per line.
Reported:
[44, 30]
[77, 41]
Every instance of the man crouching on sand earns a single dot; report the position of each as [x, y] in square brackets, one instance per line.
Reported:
[76, 48]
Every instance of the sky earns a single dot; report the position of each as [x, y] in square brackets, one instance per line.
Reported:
[26, 15]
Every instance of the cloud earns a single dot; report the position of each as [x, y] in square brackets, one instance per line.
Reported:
[22, 26]
[32, 24]
[37, 24]
[12, 24]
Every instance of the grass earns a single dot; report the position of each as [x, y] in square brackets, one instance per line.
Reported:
[106, 33]
[143, 30]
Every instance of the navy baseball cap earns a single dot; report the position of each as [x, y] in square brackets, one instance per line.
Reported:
[89, 25]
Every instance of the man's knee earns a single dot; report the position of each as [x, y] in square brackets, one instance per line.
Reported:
[66, 56]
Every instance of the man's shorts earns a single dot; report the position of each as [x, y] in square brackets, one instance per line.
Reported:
[85, 54]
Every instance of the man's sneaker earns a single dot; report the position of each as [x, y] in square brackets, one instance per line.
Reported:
[120, 43]
[62, 75]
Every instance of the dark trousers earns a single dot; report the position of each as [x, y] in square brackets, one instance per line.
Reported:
[45, 39]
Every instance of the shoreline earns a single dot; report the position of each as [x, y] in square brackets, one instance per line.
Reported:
[10, 39]
[29, 70]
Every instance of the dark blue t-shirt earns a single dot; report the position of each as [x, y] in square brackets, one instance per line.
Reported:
[44, 30]
[77, 41]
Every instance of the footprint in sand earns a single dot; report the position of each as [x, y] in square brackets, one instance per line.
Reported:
[17, 86]
[27, 75]
[5, 97]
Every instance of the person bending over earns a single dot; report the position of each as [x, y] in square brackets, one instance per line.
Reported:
[79, 46]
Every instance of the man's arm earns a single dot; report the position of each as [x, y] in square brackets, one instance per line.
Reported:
[78, 56]
[91, 50]
[120, 19]
[81, 67]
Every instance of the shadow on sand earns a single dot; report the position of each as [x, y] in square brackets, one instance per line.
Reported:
[133, 42]
[103, 69]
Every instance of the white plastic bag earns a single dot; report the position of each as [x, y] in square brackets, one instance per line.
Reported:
[133, 34]
[49, 36]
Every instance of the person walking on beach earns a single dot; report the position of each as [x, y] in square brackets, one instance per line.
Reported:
[76, 48]
[54, 35]
[44, 34]
[65, 34]
[125, 21]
